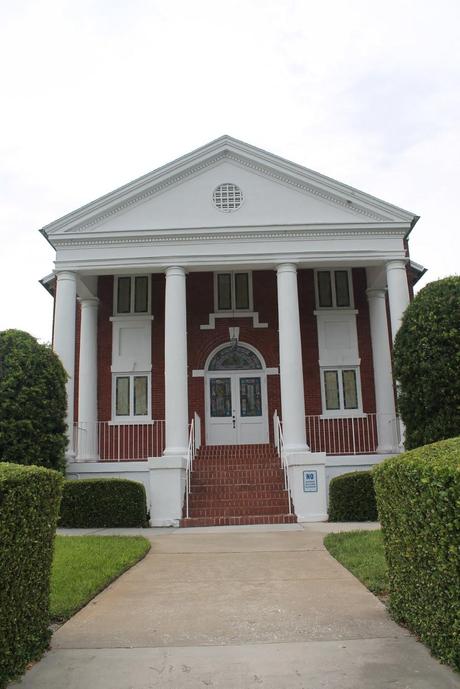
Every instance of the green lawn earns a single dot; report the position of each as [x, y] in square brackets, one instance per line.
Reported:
[361, 552]
[84, 565]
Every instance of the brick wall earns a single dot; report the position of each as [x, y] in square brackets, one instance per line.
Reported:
[200, 303]
[364, 339]
[104, 348]
[309, 336]
[158, 346]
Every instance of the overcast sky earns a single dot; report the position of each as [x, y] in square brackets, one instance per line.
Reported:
[97, 93]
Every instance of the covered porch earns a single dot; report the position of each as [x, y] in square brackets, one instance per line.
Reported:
[93, 439]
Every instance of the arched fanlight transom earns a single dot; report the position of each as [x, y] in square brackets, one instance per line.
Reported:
[234, 358]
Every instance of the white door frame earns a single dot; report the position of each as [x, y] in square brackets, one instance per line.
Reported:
[236, 429]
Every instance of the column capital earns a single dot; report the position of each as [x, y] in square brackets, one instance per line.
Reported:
[88, 302]
[175, 270]
[399, 264]
[286, 268]
[66, 275]
[376, 292]
[398, 293]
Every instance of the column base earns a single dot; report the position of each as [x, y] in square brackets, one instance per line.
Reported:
[388, 433]
[87, 458]
[70, 456]
[402, 435]
[307, 479]
[167, 489]
[386, 450]
[310, 517]
[296, 449]
[175, 452]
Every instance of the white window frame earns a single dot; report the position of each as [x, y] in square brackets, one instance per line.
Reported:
[131, 419]
[233, 308]
[341, 412]
[131, 311]
[331, 272]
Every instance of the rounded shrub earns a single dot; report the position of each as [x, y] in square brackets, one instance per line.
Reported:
[427, 362]
[418, 496]
[32, 402]
[103, 502]
[352, 498]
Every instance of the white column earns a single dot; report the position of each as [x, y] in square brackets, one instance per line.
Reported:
[383, 374]
[87, 382]
[64, 340]
[176, 395]
[398, 293]
[291, 369]
[398, 298]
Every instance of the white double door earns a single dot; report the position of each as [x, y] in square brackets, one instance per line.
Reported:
[236, 408]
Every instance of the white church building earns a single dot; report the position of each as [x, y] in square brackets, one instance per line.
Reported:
[226, 322]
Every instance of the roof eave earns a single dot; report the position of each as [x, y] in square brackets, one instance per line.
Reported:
[418, 270]
[415, 220]
[48, 283]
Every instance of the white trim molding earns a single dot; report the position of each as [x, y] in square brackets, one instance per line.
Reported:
[211, 325]
[199, 372]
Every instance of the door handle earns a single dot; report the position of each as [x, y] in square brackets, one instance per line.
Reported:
[233, 420]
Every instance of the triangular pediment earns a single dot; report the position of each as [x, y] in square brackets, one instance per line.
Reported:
[274, 192]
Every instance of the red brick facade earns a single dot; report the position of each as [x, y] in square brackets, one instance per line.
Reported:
[364, 339]
[200, 303]
[104, 348]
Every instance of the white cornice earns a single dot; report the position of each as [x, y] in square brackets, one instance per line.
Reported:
[199, 262]
[231, 234]
[261, 162]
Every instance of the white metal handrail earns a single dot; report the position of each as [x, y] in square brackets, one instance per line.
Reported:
[191, 452]
[279, 444]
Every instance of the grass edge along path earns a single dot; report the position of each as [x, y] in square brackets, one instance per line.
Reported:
[85, 565]
[362, 553]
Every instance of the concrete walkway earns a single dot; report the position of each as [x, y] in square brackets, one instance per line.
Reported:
[237, 608]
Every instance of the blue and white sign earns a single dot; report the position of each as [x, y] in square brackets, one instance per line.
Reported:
[310, 481]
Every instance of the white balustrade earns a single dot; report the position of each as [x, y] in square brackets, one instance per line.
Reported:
[104, 441]
[347, 435]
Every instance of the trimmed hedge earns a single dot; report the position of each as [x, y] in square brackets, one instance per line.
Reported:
[418, 497]
[29, 505]
[103, 502]
[352, 498]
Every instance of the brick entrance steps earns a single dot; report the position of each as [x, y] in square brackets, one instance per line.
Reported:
[237, 484]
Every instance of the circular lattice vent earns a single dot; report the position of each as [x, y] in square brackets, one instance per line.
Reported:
[227, 197]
